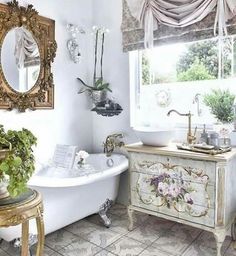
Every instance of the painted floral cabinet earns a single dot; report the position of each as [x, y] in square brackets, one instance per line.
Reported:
[191, 188]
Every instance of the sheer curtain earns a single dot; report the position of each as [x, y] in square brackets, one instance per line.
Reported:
[179, 13]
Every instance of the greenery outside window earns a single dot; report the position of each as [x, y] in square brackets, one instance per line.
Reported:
[193, 68]
[189, 61]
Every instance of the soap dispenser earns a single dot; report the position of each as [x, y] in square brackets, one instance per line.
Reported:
[204, 135]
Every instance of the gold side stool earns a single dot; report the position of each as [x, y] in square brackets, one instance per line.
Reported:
[19, 210]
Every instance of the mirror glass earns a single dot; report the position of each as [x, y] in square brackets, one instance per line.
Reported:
[20, 59]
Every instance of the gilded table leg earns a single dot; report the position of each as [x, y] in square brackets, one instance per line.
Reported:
[25, 238]
[131, 220]
[219, 237]
[41, 236]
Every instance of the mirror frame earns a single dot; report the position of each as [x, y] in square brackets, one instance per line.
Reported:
[41, 95]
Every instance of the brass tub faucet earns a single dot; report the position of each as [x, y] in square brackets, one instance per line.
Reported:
[113, 141]
[190, 137]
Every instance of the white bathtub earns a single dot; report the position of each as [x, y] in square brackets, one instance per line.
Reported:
[70, 195]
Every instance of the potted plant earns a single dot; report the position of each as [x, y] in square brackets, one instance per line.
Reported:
[16, 161]
[221, 104]
[98, 91]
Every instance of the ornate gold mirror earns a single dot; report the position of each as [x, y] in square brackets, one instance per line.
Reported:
[28, 48]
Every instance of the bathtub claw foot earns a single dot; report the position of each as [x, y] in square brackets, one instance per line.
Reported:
[103, 212]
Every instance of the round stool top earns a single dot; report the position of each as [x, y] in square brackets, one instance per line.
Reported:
[23, 198]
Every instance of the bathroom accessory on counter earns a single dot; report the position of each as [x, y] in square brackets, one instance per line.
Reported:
[204, 135]
[233, 138]
[214, 139]
[73, 43]
[206, 150]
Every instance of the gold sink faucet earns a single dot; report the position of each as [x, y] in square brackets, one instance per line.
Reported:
[190, 137]
[112, 141]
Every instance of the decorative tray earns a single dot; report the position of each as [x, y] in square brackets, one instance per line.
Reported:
[205, 151]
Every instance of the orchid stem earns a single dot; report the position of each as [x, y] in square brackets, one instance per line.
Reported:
[95, 60]
[102, 52]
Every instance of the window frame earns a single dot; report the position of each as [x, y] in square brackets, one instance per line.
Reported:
[135, 71]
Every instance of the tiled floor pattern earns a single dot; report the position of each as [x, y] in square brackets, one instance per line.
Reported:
[151, 237]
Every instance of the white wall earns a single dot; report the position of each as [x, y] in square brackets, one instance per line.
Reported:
[70, 122]
[116, 72]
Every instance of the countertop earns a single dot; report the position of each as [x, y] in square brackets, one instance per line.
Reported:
[172, 150]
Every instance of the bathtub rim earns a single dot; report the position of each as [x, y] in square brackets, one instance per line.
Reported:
[40, 181]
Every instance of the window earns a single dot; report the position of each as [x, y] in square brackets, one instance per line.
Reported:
[177, 76]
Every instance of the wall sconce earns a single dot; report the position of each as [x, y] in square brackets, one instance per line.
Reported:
[73, 44]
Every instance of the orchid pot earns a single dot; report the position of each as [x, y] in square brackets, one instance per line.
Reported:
[98, 96]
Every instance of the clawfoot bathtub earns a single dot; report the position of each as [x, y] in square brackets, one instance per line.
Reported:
[72, 194]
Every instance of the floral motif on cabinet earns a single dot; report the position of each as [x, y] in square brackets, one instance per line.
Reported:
[172, 190]
[173, 186]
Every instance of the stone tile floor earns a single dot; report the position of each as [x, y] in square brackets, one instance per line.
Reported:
[151, 236]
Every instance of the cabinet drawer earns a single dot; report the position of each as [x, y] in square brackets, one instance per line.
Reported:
[187, 169]
[202, 194]
[197, 214]
[173, 196]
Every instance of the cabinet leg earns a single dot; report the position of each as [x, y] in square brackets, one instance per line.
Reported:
[25, 238]
[219, 237]
[131, 219]
[233, 230]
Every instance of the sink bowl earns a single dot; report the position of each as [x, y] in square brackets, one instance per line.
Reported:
[157, 137]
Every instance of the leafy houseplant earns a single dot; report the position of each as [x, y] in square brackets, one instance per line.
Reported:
[18, 164]
[221, 105]
[99, 88]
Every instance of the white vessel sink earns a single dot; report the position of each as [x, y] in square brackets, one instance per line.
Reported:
[158, 137]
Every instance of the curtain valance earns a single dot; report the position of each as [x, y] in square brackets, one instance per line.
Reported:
[161, 21]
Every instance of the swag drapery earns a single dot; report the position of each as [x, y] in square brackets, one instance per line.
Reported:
[178, 17]
[26, 49]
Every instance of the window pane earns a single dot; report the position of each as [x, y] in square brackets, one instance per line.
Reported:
[228, 52]
[173, 76]
[183, 62]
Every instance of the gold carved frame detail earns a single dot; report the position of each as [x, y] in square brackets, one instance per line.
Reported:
[41, 95]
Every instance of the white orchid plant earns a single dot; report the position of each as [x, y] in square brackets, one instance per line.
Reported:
[98, 82]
